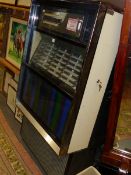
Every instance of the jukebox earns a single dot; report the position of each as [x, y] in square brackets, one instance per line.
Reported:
[69, 53]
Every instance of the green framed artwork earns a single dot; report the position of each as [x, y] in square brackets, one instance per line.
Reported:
[16, 41]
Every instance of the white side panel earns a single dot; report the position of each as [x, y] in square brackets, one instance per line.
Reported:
[101, 68]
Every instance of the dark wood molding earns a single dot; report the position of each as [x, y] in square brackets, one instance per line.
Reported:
[111, 156]
[9, 66]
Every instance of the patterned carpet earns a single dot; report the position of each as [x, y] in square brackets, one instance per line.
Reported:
[14, 160]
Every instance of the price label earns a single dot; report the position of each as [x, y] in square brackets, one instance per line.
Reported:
[72, 24]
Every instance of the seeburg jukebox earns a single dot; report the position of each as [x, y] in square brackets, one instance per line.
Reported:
[69, 53]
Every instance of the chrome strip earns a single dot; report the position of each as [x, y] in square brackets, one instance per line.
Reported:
[42, 132]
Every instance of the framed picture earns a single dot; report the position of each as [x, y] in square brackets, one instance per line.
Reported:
[18, 114]
[11, 98]
[7, 81]
[4, 27]
[21, 13]
[8, 1]
[2, 74]
[26, 3]
[16, 41]
[14, 84]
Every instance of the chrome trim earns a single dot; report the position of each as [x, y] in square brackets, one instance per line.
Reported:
[42, 132]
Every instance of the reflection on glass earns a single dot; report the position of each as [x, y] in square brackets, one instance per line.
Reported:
[53, 18]
[59, 58]
[123, 131]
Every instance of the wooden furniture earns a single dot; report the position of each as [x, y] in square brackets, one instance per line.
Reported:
[21, 3]
[9, 66]
[118, 134]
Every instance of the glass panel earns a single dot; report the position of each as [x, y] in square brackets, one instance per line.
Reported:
[61, 22]
[123, 131]
[59, 58]
[50, 107]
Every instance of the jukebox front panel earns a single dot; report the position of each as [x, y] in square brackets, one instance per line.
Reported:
[68, 58]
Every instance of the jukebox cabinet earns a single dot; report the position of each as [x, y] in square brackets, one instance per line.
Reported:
[70, 50]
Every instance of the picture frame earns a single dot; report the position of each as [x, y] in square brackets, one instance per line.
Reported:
[7, 80]
[13, 83]
[24, 3]
[11, 98]
[21, 13]
[18, 114]
[4, 27]
[2, 74]
[8, 1]
[16, 39]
